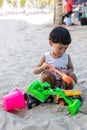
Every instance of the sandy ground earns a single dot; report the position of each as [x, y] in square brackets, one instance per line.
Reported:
[21, 46]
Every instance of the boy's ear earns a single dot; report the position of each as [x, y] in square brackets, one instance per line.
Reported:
[50, 43]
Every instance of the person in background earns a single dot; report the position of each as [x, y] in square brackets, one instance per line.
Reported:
[83, 18]
[68, 8]
[84, 10]
[79, 11]
[59, 41]
[67, 20]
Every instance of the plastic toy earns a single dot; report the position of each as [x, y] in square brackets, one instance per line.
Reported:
[75, 94]
[14, 100]
[35, 95]
[65, 77]
[42, 91]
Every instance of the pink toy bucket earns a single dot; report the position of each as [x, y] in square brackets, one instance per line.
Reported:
[13, 100]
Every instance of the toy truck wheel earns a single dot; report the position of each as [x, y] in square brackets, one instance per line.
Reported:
[77, 97]
[61, 101]
[50, 99]
[32, 102]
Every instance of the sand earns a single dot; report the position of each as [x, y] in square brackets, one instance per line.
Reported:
[21, 46]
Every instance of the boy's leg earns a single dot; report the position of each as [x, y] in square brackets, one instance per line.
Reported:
[47, 76]
[71, 85]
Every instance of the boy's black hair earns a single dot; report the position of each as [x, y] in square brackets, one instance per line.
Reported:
[60, 35]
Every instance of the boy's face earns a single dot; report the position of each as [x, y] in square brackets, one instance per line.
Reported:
[58, 49]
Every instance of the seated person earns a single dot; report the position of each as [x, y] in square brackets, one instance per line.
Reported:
[67, 20]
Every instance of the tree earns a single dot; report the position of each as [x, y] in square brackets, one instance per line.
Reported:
[13, 2]
[22, 3]
[1, 3]
[58, 12]
[44, 3]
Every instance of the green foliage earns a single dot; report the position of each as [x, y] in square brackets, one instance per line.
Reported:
[1, 3]
[43, 3]
[9, 1]
[13, 2]
[22, 3]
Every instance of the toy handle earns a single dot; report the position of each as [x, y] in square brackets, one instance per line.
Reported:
[52, 68]
[65, 77]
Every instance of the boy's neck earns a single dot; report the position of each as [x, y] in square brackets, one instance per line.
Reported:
[54, 55]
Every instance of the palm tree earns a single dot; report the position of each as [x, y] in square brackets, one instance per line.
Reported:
[13, 2]
[58, 12]
[58, 9]
[43, 3]
[1, 3]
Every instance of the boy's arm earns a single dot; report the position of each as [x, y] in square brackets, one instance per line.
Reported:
[41, 66]
[70, 65]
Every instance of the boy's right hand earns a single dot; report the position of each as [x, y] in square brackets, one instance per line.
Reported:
[45, 66]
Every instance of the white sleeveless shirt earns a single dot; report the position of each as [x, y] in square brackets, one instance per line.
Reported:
[59, 64]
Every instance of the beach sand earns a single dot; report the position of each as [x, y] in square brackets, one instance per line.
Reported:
[21, 46]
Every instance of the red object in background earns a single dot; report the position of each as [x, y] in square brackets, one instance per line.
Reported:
[69, 6]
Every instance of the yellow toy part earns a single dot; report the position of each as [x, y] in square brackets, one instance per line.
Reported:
[70, 93]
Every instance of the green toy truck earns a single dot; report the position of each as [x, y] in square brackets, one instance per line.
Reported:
[38, 92]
